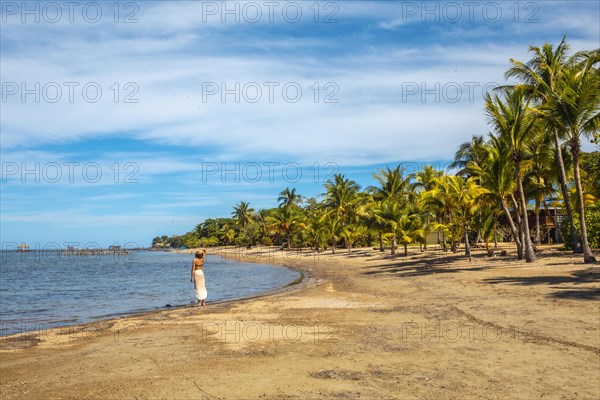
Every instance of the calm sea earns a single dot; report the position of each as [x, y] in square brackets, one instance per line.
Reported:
[44, 290]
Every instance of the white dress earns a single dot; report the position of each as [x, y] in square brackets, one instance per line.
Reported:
[201, 292]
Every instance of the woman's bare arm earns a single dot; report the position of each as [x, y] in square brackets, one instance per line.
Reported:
[193, 265]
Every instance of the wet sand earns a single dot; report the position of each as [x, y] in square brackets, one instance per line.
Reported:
[363, 325]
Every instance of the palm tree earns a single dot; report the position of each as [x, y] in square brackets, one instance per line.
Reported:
[440, 199]
[425, 179]
[538, 180]
[242, 213]
[410, 230]
[467, 153]
[286, 220]
[374, 223]
[575, 107]
[316, 232]
[351, 233]
[539, 77]
[390, 213]
[288, 197]
[513, 122]
[333, 228]
[342, 197]
[465, 194]
[498, 178]
[392, 184]
[262, 223]
[228, 235]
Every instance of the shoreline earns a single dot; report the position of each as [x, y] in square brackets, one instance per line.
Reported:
[361, 325]
[294, 284]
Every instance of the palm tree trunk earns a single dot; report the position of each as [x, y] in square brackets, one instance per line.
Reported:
[513, 228]
[562, 178]
[333, 246]
[546, 216]
[519, 224]
[538, 240]
[453, 246]
[528, 247]
[496, 233]
[289, 241]
[427, 222]
[588, 257]
[381, 241]
[394, 244]
[467, 244]
[405, 250]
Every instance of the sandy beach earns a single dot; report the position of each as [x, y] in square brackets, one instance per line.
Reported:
[362, 325]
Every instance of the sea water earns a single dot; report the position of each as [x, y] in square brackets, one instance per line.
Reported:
[41, 290]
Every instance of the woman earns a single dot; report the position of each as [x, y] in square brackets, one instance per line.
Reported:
[198, 277]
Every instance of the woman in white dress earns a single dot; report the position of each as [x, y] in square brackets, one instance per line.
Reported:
[198, 277]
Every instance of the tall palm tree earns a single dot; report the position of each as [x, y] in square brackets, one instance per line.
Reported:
[288, 197]
[499, 179]
[539, 77]
[575, 107]
[242, 213]
[513, 122]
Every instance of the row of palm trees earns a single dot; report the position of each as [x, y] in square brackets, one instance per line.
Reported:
[530, 159]
[558, 98]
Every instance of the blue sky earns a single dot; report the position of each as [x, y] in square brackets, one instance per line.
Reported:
[120, 126]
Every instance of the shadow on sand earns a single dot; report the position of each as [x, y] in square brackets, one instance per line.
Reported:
[427, 264]
[565, 287]
[563, 284]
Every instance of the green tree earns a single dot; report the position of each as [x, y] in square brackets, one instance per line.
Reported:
[539, 78]
[590, 166]
[498, 177]
[511, 118]
[392, 184]
[351, 233]
[390, 213]
[575, 107]
[410, 229]
[333, 228]
[242, 214]
[425, 180]
[286, 220]
[468, 154]
[288, 197]
[316, 232]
